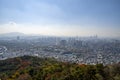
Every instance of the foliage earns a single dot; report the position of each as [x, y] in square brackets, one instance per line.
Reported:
[34, 68]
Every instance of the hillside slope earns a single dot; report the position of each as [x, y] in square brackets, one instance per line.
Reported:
[34, 68]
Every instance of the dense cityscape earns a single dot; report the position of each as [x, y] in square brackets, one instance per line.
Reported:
[81, 50]
[59, 39]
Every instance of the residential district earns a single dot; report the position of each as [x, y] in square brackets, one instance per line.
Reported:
[81, 50]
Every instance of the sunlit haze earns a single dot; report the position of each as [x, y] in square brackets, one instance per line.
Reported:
[61, 17]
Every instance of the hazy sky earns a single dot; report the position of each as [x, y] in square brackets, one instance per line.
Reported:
[61, 17]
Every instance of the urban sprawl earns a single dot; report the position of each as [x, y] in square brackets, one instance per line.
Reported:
[81, 50]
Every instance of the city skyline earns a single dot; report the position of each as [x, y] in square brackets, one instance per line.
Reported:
[61, 17]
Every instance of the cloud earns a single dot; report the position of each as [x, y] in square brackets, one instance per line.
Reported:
[31, 11]
[58, 30]
[43, 8]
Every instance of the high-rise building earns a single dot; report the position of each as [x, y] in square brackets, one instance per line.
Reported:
[99, 58]
[18, 37]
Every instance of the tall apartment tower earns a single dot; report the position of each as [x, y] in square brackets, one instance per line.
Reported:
[99, 59]
[18, 37]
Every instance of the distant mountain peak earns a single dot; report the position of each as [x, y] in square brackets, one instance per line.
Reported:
[13, 34]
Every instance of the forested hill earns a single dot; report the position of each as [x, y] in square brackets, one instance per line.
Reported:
[34, 68]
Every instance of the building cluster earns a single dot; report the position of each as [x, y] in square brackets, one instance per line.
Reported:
[75, 49]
